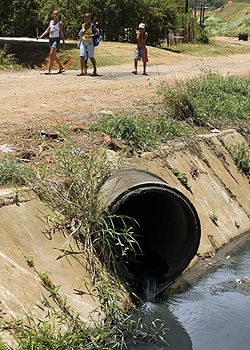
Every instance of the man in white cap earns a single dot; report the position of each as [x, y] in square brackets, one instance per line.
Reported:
[141, 51]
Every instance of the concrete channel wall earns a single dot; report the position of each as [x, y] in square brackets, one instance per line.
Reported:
[26, 237]
[216, 188]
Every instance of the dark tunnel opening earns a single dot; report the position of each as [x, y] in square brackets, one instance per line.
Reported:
[168, 230]
[164, 233]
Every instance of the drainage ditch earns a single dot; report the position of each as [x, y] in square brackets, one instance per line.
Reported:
[168, 224]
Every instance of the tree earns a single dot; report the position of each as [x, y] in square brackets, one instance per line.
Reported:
[117, 19]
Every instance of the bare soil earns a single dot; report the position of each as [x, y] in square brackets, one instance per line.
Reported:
[31, 98]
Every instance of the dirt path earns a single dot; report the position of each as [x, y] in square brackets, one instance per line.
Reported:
[31, 97]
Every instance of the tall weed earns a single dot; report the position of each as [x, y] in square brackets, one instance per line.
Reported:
[7, 60]
[14, 173]
[139, 132]
[209, 100]
[241, 156]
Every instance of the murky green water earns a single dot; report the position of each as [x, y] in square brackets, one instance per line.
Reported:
[214, 314]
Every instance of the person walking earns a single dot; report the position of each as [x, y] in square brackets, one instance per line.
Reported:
[55, 30]
[141, 51]
[87, 47]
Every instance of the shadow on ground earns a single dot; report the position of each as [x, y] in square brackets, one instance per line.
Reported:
[29, 54]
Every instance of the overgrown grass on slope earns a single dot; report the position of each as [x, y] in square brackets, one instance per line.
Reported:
[72, 190]
[207, 100]
[210, 99]
[14, 173]
[229, 20]
[140, 132]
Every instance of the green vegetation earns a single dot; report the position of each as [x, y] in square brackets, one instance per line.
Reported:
[140, 132]
[72, 187]
[2, 346]
[182, 177]
[72, 190]
[7, 60]
[215, 48]
[214, 218]
[16, 54]
[117, 20]
[14, 173]
[229, 20]
[241, 156]
[63, 329]
[209, 100]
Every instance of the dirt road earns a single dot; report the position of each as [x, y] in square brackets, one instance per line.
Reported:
[30, 97]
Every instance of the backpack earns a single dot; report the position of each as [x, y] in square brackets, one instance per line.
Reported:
[97, 38]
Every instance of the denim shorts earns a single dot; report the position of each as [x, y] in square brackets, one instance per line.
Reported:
[54, 43]
[87, 47]
[141, 53]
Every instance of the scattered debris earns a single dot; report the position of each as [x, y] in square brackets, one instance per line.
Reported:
[6, 148]
[52, 135]
[215, 130]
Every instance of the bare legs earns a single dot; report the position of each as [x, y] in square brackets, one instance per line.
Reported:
[136, 66]
[83, 65]
[92, 59]
[53, 57]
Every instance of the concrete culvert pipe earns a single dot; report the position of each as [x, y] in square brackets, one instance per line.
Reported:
[169, 227]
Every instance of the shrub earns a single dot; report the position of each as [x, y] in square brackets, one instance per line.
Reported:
[209, 100]
[14, 173]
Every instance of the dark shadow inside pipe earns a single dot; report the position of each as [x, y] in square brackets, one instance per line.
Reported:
[168, 232]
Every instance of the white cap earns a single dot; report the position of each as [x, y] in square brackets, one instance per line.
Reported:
[142, 25]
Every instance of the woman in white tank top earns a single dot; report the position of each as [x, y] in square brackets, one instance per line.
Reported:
[56, 32]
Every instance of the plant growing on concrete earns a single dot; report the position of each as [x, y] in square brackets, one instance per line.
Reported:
[2, 346]
[206, 161]
[72, 190]
[240, 153]
[182, 177]
[62, 328]
[214, 218]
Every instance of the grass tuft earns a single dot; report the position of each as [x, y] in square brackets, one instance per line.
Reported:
[140, 132]
[14, 173]
[209, 100]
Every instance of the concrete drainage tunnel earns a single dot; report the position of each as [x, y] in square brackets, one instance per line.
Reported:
[168, 224]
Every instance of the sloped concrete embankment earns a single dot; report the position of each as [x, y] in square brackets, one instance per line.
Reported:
[25, 235]
[216, 188]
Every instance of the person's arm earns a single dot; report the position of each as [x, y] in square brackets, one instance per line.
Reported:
[62, 32]
[94, 30]
[138, 35]
[45, 32]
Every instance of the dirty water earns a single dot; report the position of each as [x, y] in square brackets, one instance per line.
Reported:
[212, 314]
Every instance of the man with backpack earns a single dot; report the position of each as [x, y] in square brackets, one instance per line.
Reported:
[88, 33]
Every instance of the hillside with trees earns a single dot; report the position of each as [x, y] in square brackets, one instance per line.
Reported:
[229, 20]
